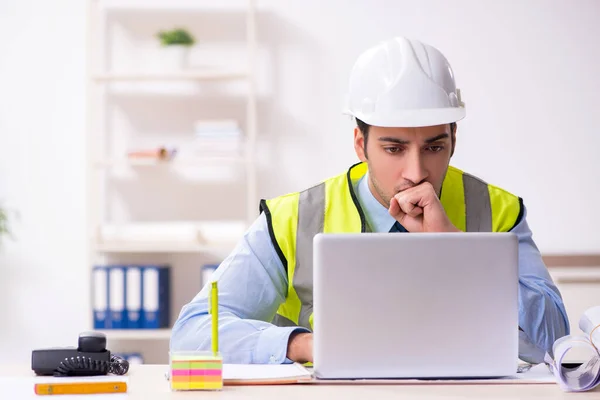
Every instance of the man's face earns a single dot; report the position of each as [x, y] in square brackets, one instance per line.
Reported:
[400, 158]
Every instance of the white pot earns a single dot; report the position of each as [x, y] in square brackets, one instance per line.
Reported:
[173, 58]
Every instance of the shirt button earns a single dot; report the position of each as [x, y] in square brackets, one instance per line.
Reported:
[272, 359]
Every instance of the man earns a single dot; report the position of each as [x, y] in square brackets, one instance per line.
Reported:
[403, 97]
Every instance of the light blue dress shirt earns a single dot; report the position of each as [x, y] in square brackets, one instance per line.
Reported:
[253, 283]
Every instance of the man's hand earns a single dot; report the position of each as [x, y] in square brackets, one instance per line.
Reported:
[300, 347]
[418, 209]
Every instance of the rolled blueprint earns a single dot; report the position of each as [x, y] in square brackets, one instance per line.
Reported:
[587, 375]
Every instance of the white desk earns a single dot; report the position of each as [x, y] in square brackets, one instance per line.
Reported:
[148, 382]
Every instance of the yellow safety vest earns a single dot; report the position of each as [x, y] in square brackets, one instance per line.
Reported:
[332, 207]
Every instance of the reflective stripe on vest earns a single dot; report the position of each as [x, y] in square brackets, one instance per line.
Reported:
[331, 206]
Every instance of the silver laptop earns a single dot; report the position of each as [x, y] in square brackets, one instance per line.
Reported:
[418, 305]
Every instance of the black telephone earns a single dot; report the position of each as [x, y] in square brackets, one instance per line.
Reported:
[89, 358]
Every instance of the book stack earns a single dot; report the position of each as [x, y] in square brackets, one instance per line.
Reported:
[217, 138]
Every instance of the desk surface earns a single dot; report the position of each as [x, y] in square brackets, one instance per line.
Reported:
[148, 382]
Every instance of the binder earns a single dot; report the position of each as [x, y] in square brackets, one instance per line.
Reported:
[116, 298]
[133, 297]
[100, 296]
[156, 296]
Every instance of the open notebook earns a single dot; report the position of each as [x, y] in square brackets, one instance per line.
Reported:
[240, 374]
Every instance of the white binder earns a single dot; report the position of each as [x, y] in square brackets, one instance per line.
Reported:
[100, 297]
[116, 298]
[133, 301]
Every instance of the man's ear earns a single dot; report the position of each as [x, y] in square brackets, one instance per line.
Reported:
[359, 144]
[453, 134]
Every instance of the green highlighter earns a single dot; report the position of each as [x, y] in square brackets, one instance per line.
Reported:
[214, 311]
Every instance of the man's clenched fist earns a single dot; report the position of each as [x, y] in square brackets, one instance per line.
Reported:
[418, 209]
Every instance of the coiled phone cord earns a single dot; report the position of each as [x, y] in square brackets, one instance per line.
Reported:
[70, 366]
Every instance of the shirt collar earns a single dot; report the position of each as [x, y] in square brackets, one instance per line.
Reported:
[377, 217]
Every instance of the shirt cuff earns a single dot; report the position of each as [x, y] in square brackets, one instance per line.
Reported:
[272, 345]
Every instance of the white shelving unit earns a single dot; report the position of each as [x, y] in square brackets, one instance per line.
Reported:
[138, 334]
[102, 75]
[182, 76]
[191, 162]
[151, 247]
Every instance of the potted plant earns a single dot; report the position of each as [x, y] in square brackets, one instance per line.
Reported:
[175, 44]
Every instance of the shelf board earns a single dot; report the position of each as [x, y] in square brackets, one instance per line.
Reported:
[137, 334]
[169, 77]
[164, 247]
[173, 5]
[212, 160]
[575, 274]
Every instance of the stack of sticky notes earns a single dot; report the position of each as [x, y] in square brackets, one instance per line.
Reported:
[196, 371]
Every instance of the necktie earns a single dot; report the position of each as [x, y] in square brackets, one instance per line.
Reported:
[397, 228]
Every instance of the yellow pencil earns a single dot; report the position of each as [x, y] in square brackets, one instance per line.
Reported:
[214, 310]
[80, 388]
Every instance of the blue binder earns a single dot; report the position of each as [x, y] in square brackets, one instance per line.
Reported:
[133, 297]
[116, 297]
[100, 297]
[156, 293]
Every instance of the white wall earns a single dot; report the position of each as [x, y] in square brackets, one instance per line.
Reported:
[527, 71]
[528, 74]
[42, 174]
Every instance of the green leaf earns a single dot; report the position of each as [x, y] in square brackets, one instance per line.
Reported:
[178, 36]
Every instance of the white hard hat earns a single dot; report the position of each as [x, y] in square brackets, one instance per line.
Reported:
[403, 83]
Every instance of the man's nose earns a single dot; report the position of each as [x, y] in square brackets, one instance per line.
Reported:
[414, 170]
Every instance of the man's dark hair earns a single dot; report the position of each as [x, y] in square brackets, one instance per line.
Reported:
[364, 128]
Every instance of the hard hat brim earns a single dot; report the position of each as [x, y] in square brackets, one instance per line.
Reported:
[413, 118]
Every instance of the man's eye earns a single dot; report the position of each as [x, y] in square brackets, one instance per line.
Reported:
[393, 150]
[435, 149]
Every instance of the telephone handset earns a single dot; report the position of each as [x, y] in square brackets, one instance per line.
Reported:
[89, 358]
